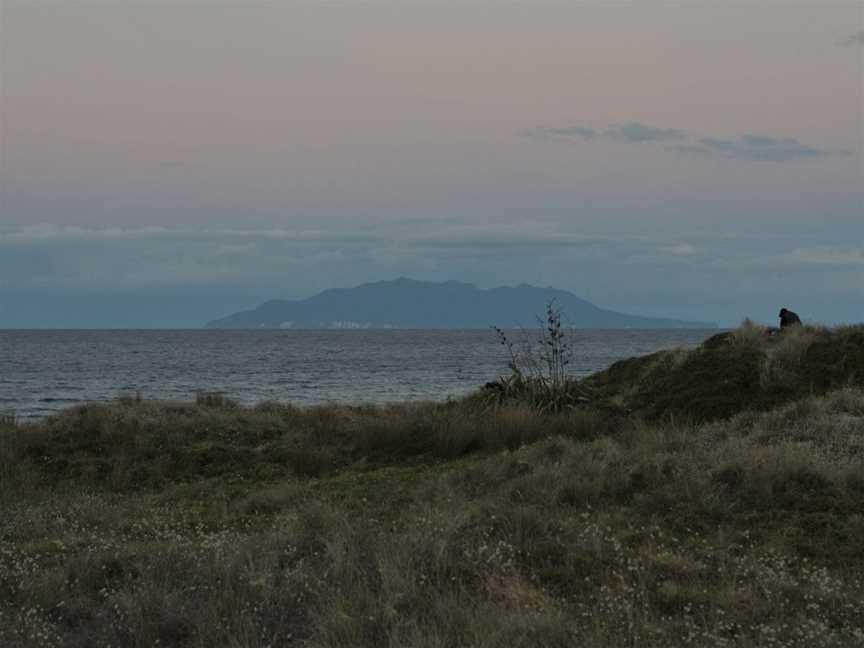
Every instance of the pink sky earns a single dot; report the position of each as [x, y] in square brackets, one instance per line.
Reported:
[341, 117]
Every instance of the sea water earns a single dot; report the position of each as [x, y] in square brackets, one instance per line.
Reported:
[45, 371]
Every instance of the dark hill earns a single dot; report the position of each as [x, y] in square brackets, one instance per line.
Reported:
[406, 303]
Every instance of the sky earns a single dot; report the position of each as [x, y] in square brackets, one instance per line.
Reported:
[164, 163]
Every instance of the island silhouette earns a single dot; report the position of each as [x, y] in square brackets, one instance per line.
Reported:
[409, 303]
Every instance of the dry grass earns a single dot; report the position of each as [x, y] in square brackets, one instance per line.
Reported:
[750, 334]
[456, 524]
[784, 359]
[432, 525]
[144, 446]
[748, 368]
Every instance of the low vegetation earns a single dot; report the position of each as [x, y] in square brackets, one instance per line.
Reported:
[538, 361]
[467, 523]
[751, 368]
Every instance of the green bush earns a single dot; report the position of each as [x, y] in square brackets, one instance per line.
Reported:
[538, 371]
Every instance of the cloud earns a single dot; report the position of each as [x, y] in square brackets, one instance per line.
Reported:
[47, 232]
[636, 132]
[235, 249]
[665, 272]
[752, 147]
[855, 39]
[694, 150]
[679, 250]
[238, 241]
[573, 131]
[631, 132]
[812, 259]
[759, 148]
[63, 257]
[827, 256]
[51, 232]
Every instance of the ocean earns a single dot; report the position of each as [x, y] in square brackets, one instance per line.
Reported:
[42, 372]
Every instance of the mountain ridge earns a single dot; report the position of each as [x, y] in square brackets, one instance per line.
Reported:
[410, 303]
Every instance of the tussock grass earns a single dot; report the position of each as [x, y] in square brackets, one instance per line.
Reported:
[504, 527]
[748, 368]
[133, 445]
[750, 335]
[455, 524]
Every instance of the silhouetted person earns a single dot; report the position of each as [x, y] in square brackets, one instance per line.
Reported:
[788, 318]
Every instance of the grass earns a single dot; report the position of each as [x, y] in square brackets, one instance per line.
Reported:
[445, 524]
[538, 378]
[745, 369]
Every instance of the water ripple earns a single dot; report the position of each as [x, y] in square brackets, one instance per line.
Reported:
[44, 371]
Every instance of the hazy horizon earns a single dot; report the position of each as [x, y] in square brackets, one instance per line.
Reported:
[163, 164]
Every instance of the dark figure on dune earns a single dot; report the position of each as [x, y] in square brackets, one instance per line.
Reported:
[788, 318]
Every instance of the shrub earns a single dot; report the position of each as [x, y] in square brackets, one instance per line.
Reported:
[538, 372]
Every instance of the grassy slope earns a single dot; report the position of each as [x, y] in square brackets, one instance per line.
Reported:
[731, 372]
[450, 524]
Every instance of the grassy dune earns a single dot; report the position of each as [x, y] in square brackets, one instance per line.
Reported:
[734, 371]
[730, 513]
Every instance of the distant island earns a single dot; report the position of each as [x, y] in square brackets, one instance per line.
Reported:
[408, 303]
